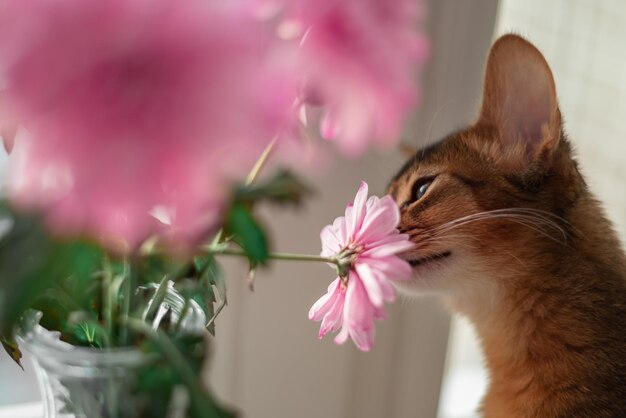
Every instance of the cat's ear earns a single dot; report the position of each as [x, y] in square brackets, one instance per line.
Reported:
[519, 100]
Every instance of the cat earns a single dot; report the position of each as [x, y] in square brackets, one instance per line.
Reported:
[508, 233]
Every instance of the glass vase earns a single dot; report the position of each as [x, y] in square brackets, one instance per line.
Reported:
[82, 382]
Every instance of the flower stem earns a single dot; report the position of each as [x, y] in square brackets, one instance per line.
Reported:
[215, 314]
[181, 366]
[127, 286]
[277, 256]
[182, 315]
[258, 166]
[107, 299]
[252, 176]
[155, 303]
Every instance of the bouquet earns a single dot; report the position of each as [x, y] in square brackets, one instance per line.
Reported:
[138, 131]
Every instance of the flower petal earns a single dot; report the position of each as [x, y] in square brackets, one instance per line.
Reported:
[369, 229]
[330, 241]
[390, 267]
[325, 303]
[384, 281]
[349, 215]
[365, 70]
[389, 292]
[329, 127]
[375, 226]
[358, 210]
[334, 318]
[391, 245]
[363, 338]
[147, 88]
[339, 226]
[358, 314]
[358, 308]
[382, 220]
[380, 313]
[372, 203]
[343, 335]
[371, 284]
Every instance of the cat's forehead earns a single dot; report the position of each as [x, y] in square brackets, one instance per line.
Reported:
[459, 149]
[452, 154]
[426, 160]
[429, 156]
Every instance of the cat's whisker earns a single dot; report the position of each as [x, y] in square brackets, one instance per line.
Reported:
[531, 218]
[524, 217]
[458, 241]
[469, 237]
[550, 214]
[543, 215]
[409, 231]
[527, 221]
[441, 238]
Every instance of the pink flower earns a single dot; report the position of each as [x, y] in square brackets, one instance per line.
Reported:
[136, 106]
[365, 242]
[8, 130]
[359, 59]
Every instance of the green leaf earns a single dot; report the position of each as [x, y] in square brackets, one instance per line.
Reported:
[154, 266]
[284, 188]
[156, 300]
[10, 345]
[207, 287]
[31, 262]
[88, 334]
[247, 233]
[213, 279]
[82, 328]
[179, 362]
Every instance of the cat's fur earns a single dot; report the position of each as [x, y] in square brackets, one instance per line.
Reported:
[541, 273]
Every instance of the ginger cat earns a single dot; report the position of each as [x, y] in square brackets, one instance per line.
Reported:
[508, 233]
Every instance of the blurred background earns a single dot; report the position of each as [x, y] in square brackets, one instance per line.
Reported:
[266, 358]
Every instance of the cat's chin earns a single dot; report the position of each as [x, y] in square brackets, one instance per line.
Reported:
[430, 274]
[459, 279]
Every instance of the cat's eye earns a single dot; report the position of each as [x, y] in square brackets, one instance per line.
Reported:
[419, 189]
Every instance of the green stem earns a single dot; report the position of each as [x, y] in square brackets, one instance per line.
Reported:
[181, 366]
[128, 285]
[218, 237]
[252, 176]
[106, 342]
[182, 315]
[279, 256]
[215, 314]
[107, 299]
[157, 299]
[258, 166]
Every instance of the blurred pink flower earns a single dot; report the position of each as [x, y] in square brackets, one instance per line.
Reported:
[359, 59]
[367, 242]
[8, 130]
[136, 106]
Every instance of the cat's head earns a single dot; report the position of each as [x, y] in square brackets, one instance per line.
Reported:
[487, 202]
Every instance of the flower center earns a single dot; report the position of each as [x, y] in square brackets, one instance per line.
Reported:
[346, 259]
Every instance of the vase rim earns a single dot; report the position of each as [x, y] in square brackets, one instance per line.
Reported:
[43, 343]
